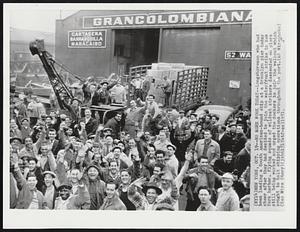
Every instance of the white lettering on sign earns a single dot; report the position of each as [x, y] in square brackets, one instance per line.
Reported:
[87, 38]
[237, 55]
[166, 18]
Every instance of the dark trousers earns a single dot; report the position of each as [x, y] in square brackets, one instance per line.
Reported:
[167, 99]
[33, 121]
[192, 205]
[138, 93]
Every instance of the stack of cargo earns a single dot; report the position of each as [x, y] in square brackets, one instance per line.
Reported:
[157, 73]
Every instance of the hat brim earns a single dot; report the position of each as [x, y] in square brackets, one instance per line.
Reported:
[15, 138]
[158, 190]
[64, 186]
[51, 173]
[172, 147]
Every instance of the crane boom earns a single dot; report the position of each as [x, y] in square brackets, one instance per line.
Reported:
[62, 92]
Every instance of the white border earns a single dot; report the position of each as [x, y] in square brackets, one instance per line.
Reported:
[104, 30]
[143, 219]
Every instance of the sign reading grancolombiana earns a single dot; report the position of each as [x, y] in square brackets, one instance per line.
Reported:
[87, 39]
[169, 18]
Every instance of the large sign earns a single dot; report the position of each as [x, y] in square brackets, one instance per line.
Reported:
[237, 55]
[169, 19]
[87, 39]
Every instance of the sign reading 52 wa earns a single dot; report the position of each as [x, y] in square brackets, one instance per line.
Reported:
[237, 55]
[87, 39]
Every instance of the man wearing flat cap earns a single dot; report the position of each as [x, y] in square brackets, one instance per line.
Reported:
[49, 190]
[228, 199]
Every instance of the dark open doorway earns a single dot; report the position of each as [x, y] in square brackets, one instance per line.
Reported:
[135, 47]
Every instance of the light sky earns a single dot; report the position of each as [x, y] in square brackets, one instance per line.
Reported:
[37, 20]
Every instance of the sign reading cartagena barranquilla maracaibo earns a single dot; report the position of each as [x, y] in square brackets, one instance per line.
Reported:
[87, 39]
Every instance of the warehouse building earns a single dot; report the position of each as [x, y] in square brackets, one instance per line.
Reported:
[101, 42]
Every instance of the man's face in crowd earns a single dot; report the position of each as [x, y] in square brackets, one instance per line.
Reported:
[169, 113]
[52, 114]
[162, 136]
[156, 170]
[165, 183]
[181, 137]
[69, 131]
[104, 86]
[132, 104]
[147, 135]
[31, 165]
[239, 129]
[109, 140]
[122, 135]
[48, 120]
[68, 121]
[52, 135]
[77, 145]
[118, 117]
[233, 129]
[151, 152]
[228, 158]
[131, 143]
[171, 151]
[25, 123]
[204, 196]
[181, 114]
[150, 98]
[246, 205]
[110, 190]
[97, 156]
[48, 179]
[13, 124]
[87, 113]
[44, 150]
[121, 145]
[226, 183]
[214, 120]
[160, 157]
[117, 153]
[31, 181]
[151, 195]
[207, 119]
[125, 177]
[193, 117]
[74, 175]
[220, 130]
[207, 135]
[113, 167]
[92, 88]
[15, 144]
[64, 193]
[92, 173]
[203, 163]
[75, 103]
[248, 146]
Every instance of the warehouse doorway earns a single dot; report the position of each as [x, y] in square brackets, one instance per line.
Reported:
[134, 47]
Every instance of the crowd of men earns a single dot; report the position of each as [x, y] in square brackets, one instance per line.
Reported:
[147, 157]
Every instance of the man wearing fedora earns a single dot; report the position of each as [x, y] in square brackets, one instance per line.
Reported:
[144, 197]
[96, 187]
[66, 200]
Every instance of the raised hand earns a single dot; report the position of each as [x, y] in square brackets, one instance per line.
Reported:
[188, 156]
